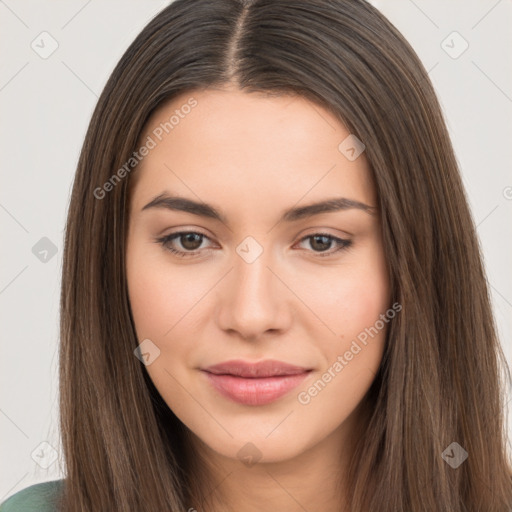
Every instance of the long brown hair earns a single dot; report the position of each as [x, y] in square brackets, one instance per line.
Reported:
[439, 381]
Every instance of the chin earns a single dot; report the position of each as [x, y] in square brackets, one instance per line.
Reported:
[251, 446]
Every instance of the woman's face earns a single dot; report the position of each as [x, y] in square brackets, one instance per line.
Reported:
[253, 282]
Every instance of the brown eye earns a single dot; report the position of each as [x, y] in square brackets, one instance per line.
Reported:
[322, 242]
[189, 243]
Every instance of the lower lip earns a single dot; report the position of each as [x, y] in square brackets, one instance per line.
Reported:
[255, 391]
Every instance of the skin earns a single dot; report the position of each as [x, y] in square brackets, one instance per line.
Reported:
[252, 156]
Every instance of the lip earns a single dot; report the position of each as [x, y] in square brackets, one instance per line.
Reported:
[257, 383]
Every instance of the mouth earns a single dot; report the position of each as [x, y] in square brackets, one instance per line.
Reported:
[255, 383]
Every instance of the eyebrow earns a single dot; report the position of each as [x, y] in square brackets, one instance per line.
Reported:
[177, 203]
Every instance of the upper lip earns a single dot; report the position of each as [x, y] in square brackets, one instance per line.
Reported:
[267, 368]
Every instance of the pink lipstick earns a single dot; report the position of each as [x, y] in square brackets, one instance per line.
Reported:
[255, 383]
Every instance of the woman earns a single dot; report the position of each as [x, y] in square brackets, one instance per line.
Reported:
[272, 294]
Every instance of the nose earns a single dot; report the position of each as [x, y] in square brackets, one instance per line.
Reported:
[253, 301]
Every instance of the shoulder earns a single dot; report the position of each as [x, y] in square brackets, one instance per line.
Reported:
[40, 497]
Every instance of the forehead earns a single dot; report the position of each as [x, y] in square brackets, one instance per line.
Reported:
[252, 148]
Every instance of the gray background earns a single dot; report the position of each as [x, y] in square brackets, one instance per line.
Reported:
[46, 104]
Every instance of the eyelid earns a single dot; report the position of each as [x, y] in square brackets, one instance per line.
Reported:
[314, 230]
[185, 229]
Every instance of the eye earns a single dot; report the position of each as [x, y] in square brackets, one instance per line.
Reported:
[322, 242]
[190, 241]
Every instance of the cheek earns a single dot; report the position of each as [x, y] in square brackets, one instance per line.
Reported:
[162, 300]
[354, 296]
[366, 300]
[151, 300]
[161, 295]
[357, 300]
[352, 358]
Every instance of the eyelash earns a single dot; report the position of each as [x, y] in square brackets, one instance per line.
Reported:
[343, 244]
